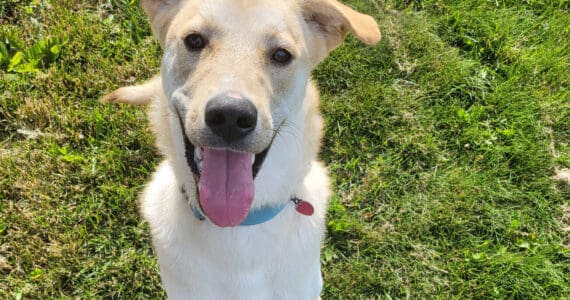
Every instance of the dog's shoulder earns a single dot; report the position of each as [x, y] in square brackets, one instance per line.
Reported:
[161, 196]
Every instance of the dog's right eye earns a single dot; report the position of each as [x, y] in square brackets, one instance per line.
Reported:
[281, 56]
[194, 42]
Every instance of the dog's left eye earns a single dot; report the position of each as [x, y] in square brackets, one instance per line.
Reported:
[195, 42]
[281, 56]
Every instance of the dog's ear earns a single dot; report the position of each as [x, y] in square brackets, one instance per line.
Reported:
[333, 20]
[161, 13]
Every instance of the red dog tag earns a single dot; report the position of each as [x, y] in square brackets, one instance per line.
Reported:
[304, 208]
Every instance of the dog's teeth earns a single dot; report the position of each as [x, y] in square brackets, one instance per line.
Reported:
[199, 154]
[198, 157]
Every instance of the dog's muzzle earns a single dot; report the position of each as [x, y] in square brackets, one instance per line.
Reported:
[225, 178]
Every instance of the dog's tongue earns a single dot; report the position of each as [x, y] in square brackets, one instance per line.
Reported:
[226, 186]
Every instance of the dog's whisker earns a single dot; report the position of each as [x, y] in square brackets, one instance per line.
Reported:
[286, 129]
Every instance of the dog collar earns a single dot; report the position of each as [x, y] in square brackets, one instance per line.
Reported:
[260, 215]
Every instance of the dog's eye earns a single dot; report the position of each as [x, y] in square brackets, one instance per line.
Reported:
[194, 42]
[281, 56]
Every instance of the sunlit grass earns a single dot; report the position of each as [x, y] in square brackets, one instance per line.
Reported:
[441, 140]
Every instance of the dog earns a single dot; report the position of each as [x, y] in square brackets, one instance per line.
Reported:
[237, 208]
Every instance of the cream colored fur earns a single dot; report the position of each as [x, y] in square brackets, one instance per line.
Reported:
[279, 259]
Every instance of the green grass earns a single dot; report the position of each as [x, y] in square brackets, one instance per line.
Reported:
[442, 141]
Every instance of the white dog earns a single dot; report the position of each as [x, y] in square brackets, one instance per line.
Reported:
[237, 208]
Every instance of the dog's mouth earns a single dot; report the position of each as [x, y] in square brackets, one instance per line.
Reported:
[195, 157]
[225, 180]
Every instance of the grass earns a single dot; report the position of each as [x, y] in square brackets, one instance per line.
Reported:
[442, 142]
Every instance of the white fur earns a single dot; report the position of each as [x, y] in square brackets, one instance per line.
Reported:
[278, 259]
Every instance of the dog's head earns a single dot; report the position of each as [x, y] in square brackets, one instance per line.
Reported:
[233, 71]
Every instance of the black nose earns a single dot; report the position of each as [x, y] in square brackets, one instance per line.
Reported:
[231, 118]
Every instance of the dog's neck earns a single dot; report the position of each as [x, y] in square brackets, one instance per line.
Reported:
[259, 215]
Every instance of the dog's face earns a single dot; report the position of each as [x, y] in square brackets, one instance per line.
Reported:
[233, 72]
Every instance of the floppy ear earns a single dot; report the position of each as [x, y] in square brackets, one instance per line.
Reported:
[333, 21]
[161, 13]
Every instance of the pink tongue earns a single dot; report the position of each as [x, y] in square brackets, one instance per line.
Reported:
[226, 186]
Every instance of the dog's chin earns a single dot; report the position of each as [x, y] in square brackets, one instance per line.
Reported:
[225, 181]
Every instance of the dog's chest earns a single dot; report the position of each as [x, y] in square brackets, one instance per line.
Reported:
[278, 259]
[261, 262]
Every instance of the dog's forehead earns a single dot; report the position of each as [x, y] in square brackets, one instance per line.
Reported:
[239, 15]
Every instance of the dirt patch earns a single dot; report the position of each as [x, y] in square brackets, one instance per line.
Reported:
[565, 224]
[562, 175]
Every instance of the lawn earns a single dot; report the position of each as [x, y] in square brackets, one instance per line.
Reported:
[447, 143]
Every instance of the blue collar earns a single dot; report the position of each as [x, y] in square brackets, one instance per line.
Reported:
[258, 216]
[255, 217]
